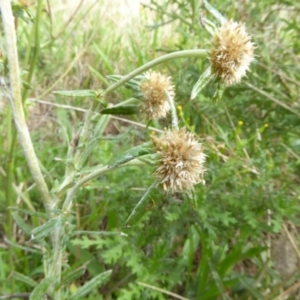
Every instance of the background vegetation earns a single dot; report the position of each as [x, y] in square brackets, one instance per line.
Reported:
[241, 239]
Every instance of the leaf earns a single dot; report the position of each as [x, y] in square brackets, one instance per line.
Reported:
[70, 277]
[45, 229]
[218, 93]
[140, 209]
[28, 249]
[214, 12]
[121, 110]
[23, 278]
[150, 159]
[236, 255]
[202, 82]
[21, 223]
[29, 212]
[250, 287]
[78, 93]
[135, 152]
[90, 285]
[40, 290]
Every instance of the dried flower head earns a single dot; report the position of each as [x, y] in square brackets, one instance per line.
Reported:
[232, 52]
[181, 160]
[153, 88]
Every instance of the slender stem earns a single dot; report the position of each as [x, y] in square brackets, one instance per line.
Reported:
[173, 110]
[72, 192]
[157, 61]
[17, 106]
[84, 132]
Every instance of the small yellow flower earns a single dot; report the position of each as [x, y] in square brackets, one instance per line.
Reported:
[240, 123]
[181, 160]
[232, 52]
[153, 88]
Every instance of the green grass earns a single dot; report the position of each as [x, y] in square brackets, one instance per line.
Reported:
[219, 246]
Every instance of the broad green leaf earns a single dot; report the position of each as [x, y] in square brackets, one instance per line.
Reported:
[202, 82]
[23, 278]
[90, 285]
[214, 12]
[120, 110]
[21, 223]
[78, 93]
[146, 148]
[45, 229]
[140, 208]
[40, 290]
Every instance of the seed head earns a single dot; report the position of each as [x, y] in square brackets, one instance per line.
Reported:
[232, 52]
[181, 160]
[153, 88]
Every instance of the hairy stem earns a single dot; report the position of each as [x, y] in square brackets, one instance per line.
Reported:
[17, 106]
[72, 192]
[157, 61]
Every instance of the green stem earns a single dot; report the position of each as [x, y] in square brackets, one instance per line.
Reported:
[157, 61]
[173, 111]
[103, 170]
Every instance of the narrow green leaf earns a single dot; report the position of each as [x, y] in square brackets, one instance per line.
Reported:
[21, 223]
[77, 93]
[29, 212]
[250, 287]
[40, 290]
[23, 278]
[202, 82]
[28, 249]
[218, 280]
[238, 254]
[150, 159]
[45, 229]
[140, 209]
[218, 93]
[146, 148]
[106, 59]
[106, 233]
[121, 110]
[214, 12]
[69, 277]
[90, 285]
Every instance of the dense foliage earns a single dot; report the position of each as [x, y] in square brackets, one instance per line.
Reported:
[241, 229]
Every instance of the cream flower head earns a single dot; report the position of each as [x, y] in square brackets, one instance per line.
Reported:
[232, 52]
[153, 87]
[181, 160]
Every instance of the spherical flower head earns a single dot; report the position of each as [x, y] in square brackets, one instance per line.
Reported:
[232, 52]
[153, 88]
[181, 160]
